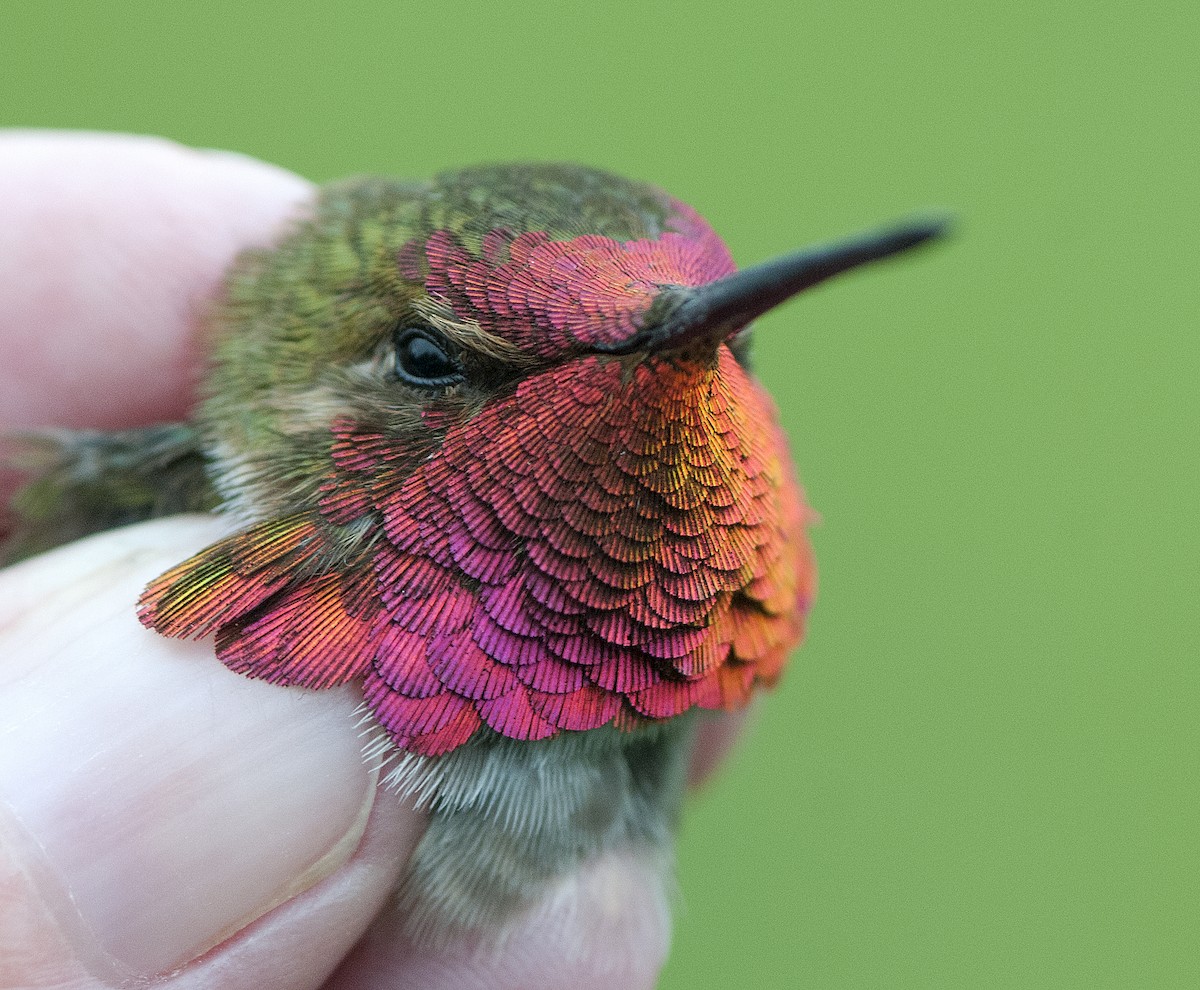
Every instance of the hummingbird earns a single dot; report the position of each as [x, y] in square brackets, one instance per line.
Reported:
[496, 451]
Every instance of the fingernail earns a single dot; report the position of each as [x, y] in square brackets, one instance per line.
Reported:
[158, 802]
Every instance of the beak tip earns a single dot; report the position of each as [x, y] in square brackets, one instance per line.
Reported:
[936, 224]
[921, 228]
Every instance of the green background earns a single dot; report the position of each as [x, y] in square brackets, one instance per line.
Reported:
[982, 768]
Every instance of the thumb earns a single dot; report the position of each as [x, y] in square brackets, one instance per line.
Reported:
[161, 815]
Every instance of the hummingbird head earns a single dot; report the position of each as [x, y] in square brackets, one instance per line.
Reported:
[416, 304]
[503, 458]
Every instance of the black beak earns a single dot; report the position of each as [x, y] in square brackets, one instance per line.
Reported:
[684, 315]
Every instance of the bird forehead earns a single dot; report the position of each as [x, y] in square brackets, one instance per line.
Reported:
[552, 295]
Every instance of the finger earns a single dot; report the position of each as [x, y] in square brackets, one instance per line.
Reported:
[715, 739]
[159, 813]
[111, 252]
[608, 926]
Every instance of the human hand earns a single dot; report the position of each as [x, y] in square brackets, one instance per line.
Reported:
[163, 820]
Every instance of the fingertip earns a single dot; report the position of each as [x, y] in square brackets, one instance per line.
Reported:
[112, 249]
[716, 736]
[606, 926]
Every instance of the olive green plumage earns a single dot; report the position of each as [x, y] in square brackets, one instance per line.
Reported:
[86, 481]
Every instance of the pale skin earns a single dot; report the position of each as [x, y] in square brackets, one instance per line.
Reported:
[161, 817]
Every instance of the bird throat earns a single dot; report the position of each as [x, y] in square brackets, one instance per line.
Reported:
[600, 546]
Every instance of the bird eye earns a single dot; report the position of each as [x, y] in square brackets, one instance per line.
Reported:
[425, 358]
